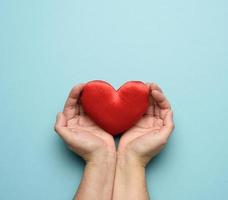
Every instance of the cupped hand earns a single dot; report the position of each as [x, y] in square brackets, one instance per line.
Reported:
[148, 137]
[82, 135]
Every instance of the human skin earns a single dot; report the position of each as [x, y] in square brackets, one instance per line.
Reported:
[111, 174]
[93, 144]
[139, 145]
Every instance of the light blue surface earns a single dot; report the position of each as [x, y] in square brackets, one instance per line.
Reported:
[47, 46]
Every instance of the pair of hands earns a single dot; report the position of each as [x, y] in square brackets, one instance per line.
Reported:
[137, 145]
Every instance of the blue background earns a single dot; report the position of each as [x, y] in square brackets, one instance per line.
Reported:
[47, 46]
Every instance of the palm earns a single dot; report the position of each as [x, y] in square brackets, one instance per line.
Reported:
[147, 124]
[82, 123]
[80, 132]
[152, 123]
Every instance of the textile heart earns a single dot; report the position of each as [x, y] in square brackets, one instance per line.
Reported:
[115, 111]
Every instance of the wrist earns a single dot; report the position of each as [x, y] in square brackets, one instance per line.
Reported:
[98, 178]
[130, 181]
[130, 158]
[127, 154]
[102, 159]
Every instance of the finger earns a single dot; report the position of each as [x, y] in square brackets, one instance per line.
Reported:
[81, 111]
[153, 109]
[61, 129]
[157, 110]
[148, 83]
[60, 120]
[160, 99]
[71, 107]
[155, 86]
[150, 109]
[168, 127]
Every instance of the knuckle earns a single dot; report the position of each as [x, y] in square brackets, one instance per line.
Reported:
[163, 141]
[56, 128]
[172, 127]
[154, 84]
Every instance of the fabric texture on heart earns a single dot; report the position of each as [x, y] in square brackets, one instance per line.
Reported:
[115, 111]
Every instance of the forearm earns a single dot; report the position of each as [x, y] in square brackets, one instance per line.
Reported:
[130, 181]
[97, 181]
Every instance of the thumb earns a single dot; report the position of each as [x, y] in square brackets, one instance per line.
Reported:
[168, 125]
[61, 127]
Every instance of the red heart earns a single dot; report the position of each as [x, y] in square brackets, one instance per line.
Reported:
[115, 111]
